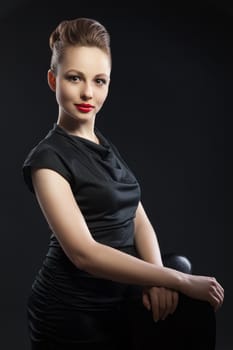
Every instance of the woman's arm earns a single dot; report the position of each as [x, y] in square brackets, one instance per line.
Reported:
[63, 215]
[161, 301]
[146, 240]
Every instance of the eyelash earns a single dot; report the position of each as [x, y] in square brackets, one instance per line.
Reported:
[72, 78]
[99, 81]
[103, 81]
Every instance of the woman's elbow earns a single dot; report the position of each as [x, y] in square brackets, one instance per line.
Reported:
[84, 260]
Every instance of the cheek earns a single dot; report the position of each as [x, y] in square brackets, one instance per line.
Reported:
[63, 93]
[102, 97]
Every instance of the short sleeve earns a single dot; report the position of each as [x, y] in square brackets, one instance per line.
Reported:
[44, 158]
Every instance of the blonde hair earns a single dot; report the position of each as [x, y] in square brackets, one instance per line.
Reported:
[79, 31]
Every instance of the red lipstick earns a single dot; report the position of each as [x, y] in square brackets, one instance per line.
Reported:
[84, 107]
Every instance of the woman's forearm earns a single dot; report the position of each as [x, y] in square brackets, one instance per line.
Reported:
[106, 262]
[109, 263]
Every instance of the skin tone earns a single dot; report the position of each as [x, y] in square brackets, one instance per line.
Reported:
[83, 76]
[80, 79]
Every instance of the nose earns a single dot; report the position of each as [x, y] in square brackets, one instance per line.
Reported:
[87, 91]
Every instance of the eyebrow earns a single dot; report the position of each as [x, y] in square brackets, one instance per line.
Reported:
[83, 75]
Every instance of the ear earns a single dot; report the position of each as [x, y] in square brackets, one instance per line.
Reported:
[51, 80]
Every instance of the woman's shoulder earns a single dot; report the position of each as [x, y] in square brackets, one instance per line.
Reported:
[52, 142]
[49, 153]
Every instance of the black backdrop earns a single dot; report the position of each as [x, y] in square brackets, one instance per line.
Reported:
[169, 112]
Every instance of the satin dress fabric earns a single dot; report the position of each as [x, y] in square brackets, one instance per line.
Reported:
[64, 299]
[69, 308]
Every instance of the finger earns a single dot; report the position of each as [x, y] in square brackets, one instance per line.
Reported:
[155, 307]
[220, 295]
[221, 291]
[171, 303]
[175, 299]
[217, 285]
[146, 301]
[215, 303]
[162, 302]
[217, 294]
[168, 304]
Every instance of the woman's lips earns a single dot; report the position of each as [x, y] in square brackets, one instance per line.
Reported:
[84, 107]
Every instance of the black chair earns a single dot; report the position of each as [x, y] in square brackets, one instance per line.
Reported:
[177, 262]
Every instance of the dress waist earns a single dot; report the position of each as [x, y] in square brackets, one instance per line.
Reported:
[60, 279]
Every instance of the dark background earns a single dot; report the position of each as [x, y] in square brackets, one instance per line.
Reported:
[169, 112]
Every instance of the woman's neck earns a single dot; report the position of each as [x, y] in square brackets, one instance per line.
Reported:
[81, 129]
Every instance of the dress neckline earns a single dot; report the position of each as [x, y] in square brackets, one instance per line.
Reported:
[102, 146]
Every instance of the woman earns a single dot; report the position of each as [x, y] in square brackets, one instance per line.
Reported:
[103, 282]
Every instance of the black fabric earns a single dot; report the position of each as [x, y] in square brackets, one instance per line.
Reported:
[191, 327]
[131, 326]
[70, 309]
[105, 189]
[107, 193]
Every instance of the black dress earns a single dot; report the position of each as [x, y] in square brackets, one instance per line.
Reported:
[69, 308]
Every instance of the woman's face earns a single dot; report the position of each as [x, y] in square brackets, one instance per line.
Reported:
[82, 82]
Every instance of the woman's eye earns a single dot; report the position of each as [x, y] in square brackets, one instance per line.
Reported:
[100, 81]
[74, 78]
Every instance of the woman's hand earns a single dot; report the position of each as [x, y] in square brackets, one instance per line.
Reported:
[204, 288]
[161, 301]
